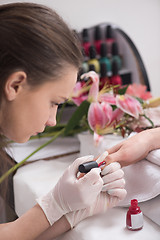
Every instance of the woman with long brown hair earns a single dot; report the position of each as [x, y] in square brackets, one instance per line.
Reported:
[39, 61]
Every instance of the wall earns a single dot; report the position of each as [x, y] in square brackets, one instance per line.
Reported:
[140, 19]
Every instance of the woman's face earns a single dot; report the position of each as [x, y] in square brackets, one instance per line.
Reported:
[35, 108]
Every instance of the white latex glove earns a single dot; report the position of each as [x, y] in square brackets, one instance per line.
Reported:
[113, 191]
[70, 193]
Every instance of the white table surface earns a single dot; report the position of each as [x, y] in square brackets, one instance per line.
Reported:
[111, 226]
[37, 178]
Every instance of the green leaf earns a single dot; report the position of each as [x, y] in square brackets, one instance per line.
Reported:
[77, 116]
[122, 91]
[140, 100]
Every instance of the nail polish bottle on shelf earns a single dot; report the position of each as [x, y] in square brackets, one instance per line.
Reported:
[103, 76]
[91, 67]
[92, 58]
[115, 78]
[103, 56]
[109, 38]
[84, 67]
[97, 38]
[134, 218]
[85, 41]
[115, 55]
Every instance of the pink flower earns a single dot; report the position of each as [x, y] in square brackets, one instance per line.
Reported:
[78, 95]
[79, 100]
[142, 123]
[97, 138]
[107, 97]
[138, 90]
[117, 115]
[94, 89]
[99, 115]
[129, 105]
[86, 91]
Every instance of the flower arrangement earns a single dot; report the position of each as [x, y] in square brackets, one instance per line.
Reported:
[103, 107]
[114, 108]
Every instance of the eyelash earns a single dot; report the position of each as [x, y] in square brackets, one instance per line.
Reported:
[54, 104]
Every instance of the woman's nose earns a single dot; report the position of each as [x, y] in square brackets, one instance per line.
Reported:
[52, 119]
[51, 122]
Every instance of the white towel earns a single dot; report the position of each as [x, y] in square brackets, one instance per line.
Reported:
[19, 151]
[154, 157]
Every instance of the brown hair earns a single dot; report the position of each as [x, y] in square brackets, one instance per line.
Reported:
[36, 40]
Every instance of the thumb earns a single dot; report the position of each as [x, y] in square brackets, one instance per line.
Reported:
[92, 179]
[92, 176]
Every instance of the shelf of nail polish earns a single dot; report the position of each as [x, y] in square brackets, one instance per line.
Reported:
[110, 52]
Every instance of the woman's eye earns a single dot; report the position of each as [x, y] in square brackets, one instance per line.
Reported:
[54, 104]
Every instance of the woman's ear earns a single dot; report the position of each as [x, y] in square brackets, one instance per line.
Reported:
[14, 84]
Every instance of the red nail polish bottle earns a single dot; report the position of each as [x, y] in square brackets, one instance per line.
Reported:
[134, 218]
[97, 39]
[109, 38]
[85, 41]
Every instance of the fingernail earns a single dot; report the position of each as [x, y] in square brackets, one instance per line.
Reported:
[96, 169]
[78, 174]
[110, 191]
[102, 157]
[106, 170]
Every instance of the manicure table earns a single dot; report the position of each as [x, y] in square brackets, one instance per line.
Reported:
[37, 177]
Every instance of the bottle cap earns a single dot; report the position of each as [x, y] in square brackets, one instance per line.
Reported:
[92, 67]
[85, 35]
[134, 205]
[109, 32]
[103, 50]
[115, 51]
[103, 70]
[92, 52]
[86, 167]
[97, 33]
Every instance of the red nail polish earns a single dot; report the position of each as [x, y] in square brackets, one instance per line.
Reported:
[134, 218]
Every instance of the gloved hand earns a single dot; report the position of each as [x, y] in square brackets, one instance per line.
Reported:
[113, 191]
[70, 193]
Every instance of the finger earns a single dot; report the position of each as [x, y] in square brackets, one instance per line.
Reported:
[120, 183]
[93, 180]
[119, 193]
[113, 176]
[80, 175]
[112, 167]
[115, 148]
[102, 157]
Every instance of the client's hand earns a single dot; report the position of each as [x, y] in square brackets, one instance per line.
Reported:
[71, 194]
[134, 148]
[112, 192]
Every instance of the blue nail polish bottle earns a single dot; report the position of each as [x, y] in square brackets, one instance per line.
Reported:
[115, 55]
